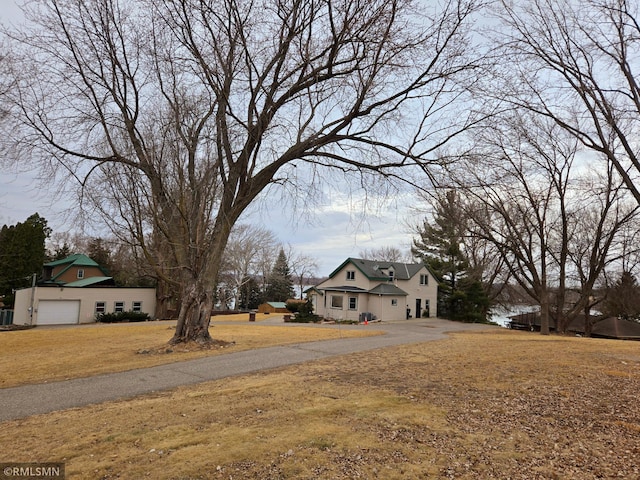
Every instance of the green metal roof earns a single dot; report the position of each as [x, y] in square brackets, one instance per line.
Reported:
[77, 259]
[277, 304]
[86, 282]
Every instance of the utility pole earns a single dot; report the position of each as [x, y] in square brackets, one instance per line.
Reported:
[33, 294]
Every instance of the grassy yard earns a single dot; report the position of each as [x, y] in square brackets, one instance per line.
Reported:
[498, 404]
[59, 353]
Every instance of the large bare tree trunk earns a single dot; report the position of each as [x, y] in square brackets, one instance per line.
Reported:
[195, 316]
[544, 312]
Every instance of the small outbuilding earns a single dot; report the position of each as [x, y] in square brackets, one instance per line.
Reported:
[273, 307]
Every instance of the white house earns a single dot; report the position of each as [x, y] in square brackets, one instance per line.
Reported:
[385, 291]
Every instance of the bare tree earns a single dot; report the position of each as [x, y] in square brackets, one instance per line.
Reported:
[576, 62]
[184, 111]
[386, 253]
[243, 255]
[549, 223]
[303, 268]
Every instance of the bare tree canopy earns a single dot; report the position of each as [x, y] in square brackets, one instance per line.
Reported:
[175, 115]
[554, 224]
[386, 253]
[578, 63]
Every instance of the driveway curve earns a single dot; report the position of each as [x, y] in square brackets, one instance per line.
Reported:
[24, 401]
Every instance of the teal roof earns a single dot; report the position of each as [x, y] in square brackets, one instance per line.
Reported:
[77, 259]
[86, 282]
[277, 304]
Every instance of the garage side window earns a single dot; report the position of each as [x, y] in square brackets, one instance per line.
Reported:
[118, 307]
[101, 307]
[136, 306]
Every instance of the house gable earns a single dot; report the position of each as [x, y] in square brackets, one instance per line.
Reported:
[73, 268]
[380, 271]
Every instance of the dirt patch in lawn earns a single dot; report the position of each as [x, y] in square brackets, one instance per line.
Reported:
[49, 354]
[496, 404]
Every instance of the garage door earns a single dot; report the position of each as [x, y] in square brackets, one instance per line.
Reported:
[58, 312]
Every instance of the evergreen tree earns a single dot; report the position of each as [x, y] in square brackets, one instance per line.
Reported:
[440, 242]
[280, 284]
[441, 248]
[100, 253]
[61, 252]
[250, 296]
[623, 298]
[22, 254]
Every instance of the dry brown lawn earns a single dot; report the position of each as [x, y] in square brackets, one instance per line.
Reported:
[497, 404]
[59, 353]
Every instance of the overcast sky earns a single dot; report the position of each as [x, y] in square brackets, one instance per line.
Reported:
[334, 233]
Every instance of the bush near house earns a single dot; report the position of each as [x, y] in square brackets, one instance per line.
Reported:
[118, 317]
[303, 312]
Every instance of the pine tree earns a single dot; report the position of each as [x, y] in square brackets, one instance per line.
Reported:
[440, 243]
[280, 284]
[441, 248]
[22, 254]
[623, 298]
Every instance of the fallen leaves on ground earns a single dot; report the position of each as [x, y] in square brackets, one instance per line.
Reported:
[490, 405]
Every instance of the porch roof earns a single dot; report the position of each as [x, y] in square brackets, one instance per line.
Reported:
[388, 289]
[345, 288]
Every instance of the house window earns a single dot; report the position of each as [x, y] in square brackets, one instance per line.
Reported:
[391, 275]
[118, 307]
[136, 306]
[424, 279]
[394, 302]
[353, 303]
[80, 273]
[336, 301]
[351, 274]
[101, 307]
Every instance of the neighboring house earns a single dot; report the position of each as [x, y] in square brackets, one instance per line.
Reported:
[366, 289]
[75, 268]
[75, 290]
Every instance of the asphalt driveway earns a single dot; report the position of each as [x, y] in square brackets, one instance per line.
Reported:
[20, 402]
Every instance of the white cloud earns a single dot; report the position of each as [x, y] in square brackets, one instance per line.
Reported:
[340, 229]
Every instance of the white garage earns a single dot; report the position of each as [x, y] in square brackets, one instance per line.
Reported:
[62, 305]
[57, 312]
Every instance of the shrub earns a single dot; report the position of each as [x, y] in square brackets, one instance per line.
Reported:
[294, 307]
[304, 313]
[118, 317]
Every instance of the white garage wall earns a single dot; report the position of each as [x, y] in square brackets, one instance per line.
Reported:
[88, 297]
